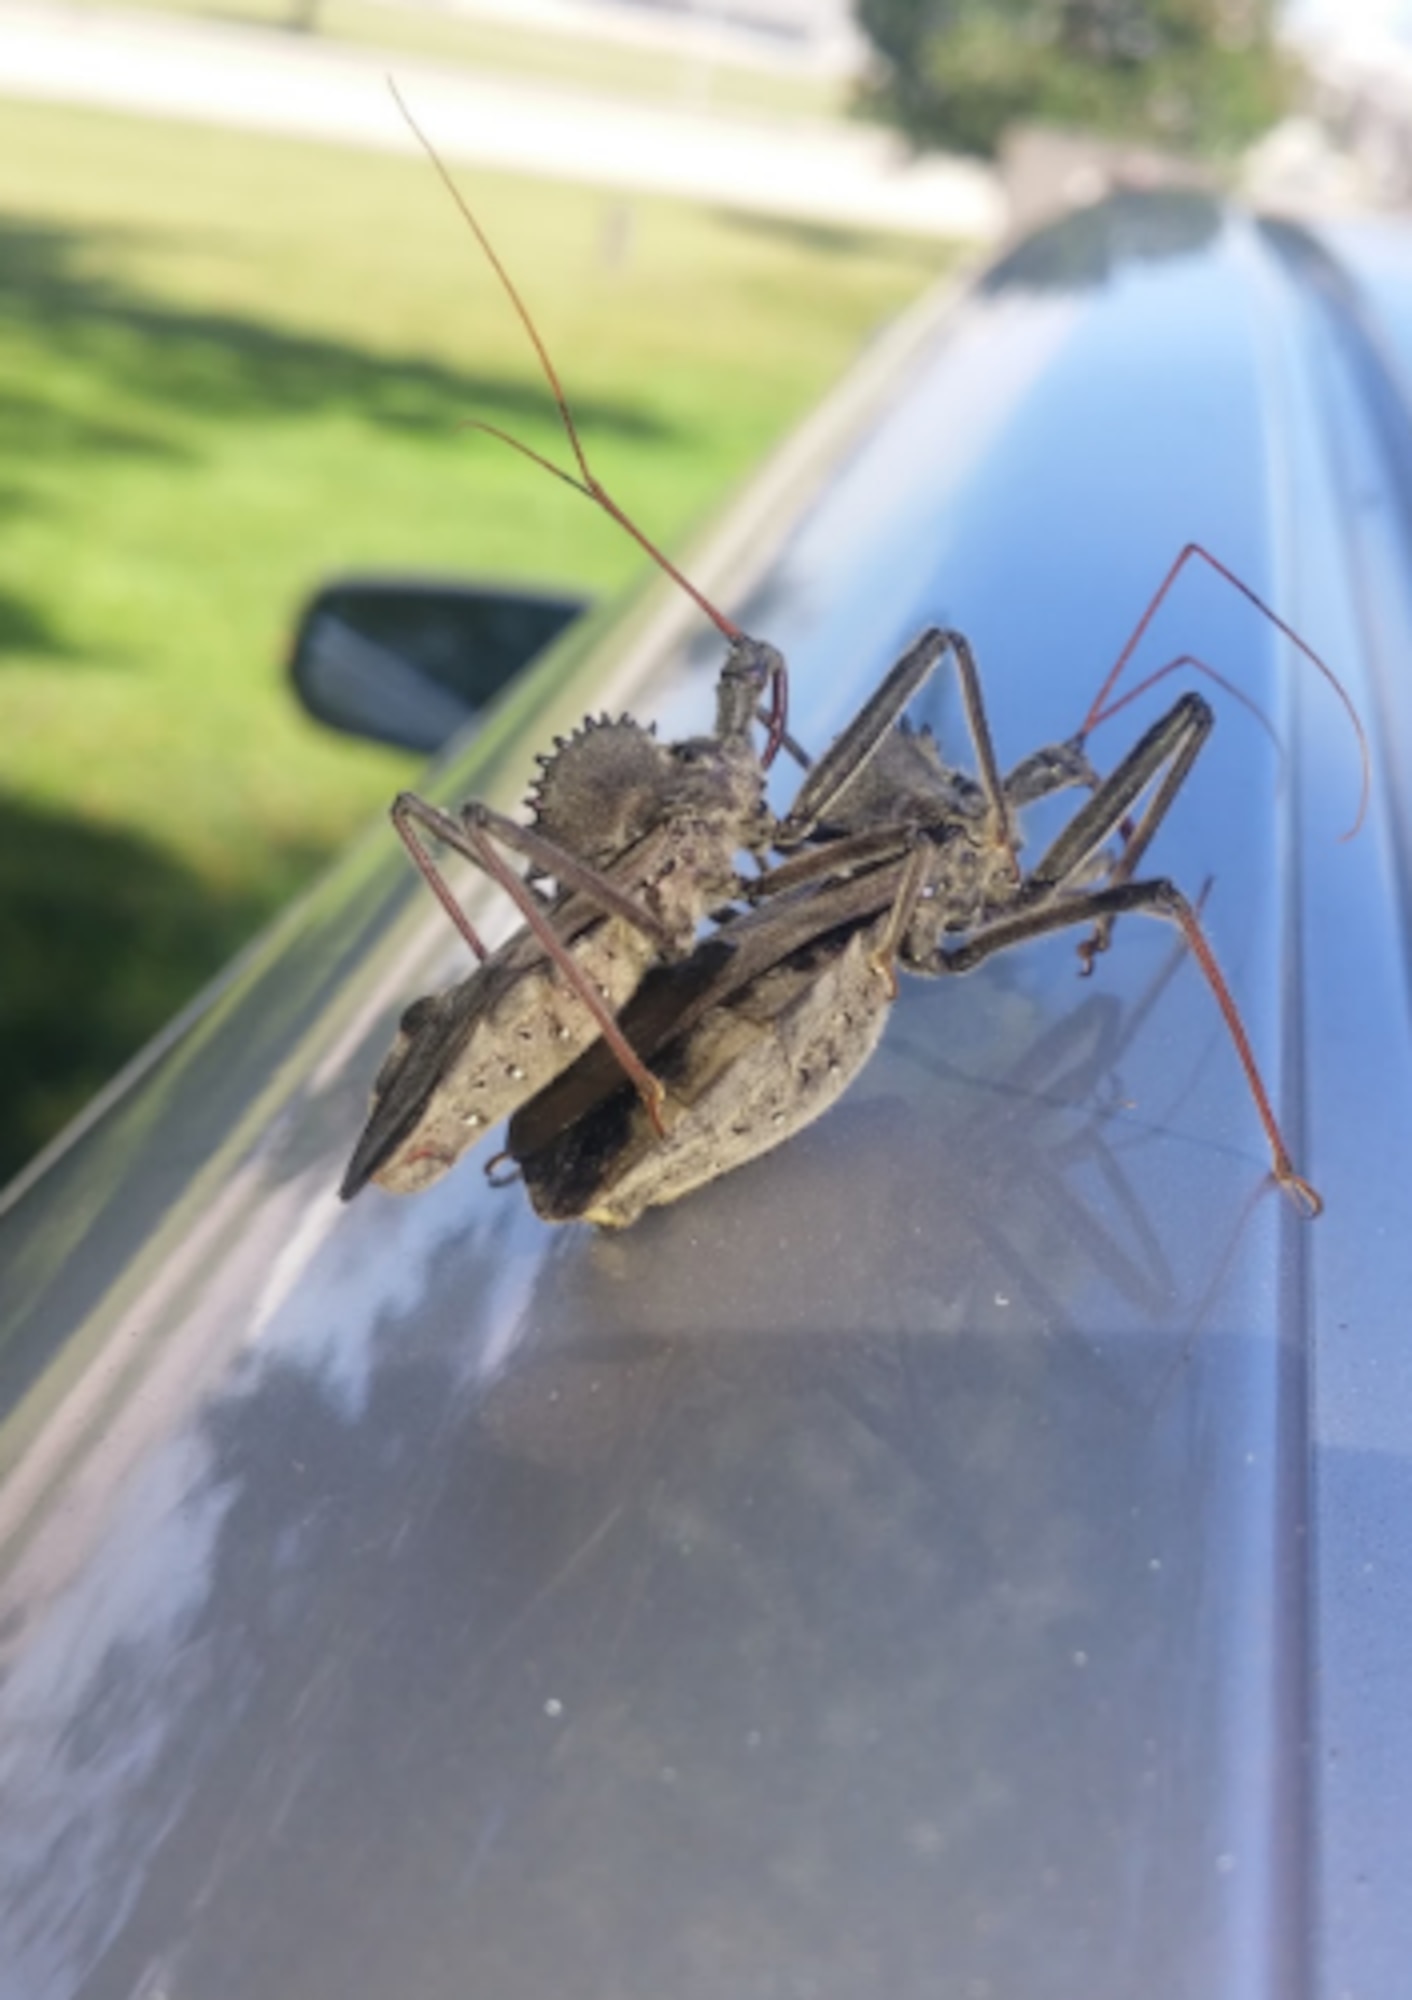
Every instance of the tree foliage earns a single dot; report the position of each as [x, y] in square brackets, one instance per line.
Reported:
[1199, 75]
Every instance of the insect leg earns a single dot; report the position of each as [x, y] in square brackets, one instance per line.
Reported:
[471, 836]
[408, 812]
[567, 869]
[1174, 741]
[455, 831]
[1155, 898]
[1175, 738]
[883, 956]
[1050, 770]
[643, 1081]
[849, 854]
[850, 752]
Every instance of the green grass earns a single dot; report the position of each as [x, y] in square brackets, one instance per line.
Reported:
[606, 67]
[229, 367]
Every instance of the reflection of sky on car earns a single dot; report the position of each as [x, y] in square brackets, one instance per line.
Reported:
[113, 1590]
[86, 1714]
[868, 553]
[1353, 18]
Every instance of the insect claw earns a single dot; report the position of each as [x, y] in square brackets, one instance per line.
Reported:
[1302, 1193]
[495, 1172]
[883, 963]
[1092, 947]
[655, 1098]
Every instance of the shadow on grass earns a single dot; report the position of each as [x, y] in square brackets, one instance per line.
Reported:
[28, 628]
[102, 938]
[149, 361]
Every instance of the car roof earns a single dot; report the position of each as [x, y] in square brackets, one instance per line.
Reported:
[960, 1552]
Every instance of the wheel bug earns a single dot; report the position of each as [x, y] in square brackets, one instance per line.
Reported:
[908, 854]
[641, 840]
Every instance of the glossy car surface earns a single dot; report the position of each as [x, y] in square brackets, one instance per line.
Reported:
[963, 1553]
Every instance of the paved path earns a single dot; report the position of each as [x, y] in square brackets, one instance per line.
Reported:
[166, 66]
[735, 36]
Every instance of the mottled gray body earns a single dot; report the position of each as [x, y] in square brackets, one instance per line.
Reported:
[750, 1074]
[465, 1058]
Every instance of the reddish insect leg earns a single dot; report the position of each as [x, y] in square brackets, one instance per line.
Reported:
[1155, 899]
[407, 811]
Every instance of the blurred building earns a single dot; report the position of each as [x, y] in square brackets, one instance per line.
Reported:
[798, 20]
[819, 34]
[1358, 55]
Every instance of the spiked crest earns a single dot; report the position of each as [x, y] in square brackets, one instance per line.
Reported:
[603, 787]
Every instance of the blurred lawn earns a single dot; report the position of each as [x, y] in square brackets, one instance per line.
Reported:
[587, 63]
[230, 367]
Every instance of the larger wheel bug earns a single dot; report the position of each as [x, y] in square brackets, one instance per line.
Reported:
[641, 839]
[908, 853]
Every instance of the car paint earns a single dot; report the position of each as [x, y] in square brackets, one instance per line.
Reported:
[962, 1553]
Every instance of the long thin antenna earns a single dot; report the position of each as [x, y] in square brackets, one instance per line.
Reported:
[1190, 661]
[1099, 708]
[586, 483]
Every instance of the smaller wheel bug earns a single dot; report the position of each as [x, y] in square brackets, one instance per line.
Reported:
[908, 854]
[641, 839]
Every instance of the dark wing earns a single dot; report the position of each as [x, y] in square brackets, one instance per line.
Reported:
[673, 998]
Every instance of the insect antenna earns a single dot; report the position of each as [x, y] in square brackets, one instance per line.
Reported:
[585, 481]
[1194, 665]
[1101, 709]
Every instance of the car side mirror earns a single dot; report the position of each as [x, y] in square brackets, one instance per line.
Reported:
[409, 662]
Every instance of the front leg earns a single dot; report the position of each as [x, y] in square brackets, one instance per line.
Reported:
[1163, 756]
[468, 834]
[1173, 741]
[1057, 768]
[851, 752]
